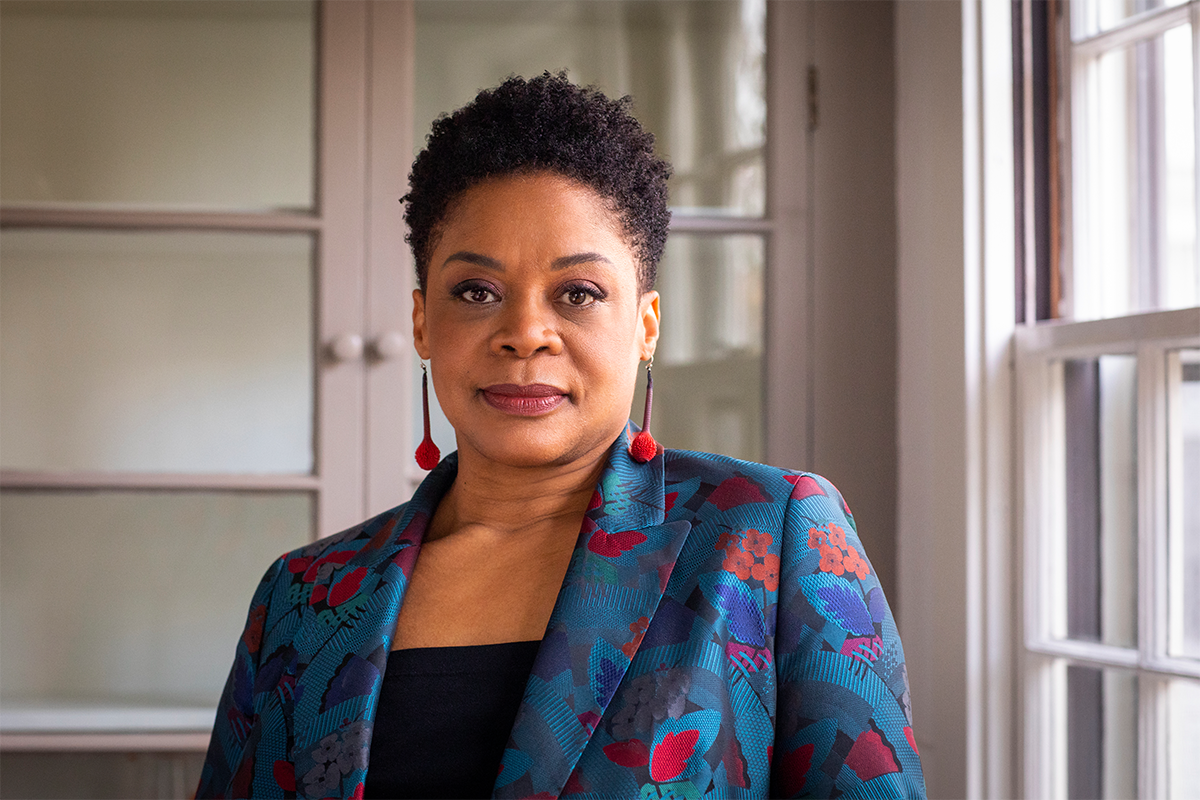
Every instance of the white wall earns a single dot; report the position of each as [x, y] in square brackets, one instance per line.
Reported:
[853, 350]
[932, 383]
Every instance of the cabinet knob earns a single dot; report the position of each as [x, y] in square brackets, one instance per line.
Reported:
[389, 345]
[346, 347]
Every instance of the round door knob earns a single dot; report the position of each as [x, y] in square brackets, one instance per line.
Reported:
[347, 347]
[389, 345]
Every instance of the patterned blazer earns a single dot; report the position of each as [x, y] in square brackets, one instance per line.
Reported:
[719, 633]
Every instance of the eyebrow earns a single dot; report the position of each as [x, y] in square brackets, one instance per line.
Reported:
[559, 263]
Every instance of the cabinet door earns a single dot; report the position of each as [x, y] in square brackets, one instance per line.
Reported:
[185, 350]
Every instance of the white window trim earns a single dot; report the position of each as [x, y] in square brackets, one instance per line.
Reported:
[955, 273]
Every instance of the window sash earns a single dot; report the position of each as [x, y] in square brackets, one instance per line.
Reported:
[1149, 337]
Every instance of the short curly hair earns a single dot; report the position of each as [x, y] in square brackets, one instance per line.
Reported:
[545, 123]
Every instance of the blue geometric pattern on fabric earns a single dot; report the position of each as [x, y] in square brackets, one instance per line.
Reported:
[719, 633]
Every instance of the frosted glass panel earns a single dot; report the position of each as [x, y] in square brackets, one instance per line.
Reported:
[120, 776]
[695, 70]
[176, 352]
[182, 104]
[708, 367]
[133, 596]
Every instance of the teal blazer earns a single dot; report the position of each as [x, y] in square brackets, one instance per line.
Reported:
[719, 633]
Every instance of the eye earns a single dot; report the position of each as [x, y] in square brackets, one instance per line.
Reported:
[580, 295]
[475, 293]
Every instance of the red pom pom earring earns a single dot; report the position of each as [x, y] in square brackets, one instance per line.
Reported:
[643, 448]
[428, 454]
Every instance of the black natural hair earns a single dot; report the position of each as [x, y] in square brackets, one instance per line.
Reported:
[548, 124]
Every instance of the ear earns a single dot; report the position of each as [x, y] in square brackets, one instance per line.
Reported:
[648, 318]
[420, 335]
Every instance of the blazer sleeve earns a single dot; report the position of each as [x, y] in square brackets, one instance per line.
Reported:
[843, 720]
[226, 772]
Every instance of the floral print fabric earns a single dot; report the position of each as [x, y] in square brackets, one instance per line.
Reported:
[719, 633]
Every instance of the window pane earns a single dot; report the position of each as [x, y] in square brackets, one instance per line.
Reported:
[150, 590]
[708, 391]
[123, 776]
[1183, 708]
[177, 352]
[183, 104]
[696, 71]
[1183, 452]
[1135, 180]
[1090, 17]
[1098, 511]
[1102, 741]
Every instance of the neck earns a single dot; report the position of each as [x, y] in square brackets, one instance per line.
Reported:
[506, 500]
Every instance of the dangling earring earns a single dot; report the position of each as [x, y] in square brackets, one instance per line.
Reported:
[428, 454]
[643, 448]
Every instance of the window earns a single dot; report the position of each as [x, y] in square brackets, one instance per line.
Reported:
[1109, 410]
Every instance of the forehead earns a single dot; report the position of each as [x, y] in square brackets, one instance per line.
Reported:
[539, 211]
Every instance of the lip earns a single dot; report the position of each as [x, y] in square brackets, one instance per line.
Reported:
[524, 401]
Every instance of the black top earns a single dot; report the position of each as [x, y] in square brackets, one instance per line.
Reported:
[443, 719]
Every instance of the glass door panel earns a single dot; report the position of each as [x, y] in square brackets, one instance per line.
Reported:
[133, 597]
[181, 104]
[172, 352]
[708, 389]
[696, 71]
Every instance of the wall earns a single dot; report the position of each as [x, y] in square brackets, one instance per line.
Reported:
[932, 383]
[854, 262]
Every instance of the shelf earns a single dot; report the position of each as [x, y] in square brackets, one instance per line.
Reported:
[50, 726]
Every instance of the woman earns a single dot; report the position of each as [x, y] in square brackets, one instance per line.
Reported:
[558, 612]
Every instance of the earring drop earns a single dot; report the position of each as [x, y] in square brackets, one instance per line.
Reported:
[428, 454]
[643, 448]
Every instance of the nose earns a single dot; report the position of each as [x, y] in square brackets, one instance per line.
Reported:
[526, 326]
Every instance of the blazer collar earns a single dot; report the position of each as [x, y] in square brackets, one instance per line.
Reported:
[622, 561]
[619, 569]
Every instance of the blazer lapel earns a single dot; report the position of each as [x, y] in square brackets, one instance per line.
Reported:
[342, 647]
[619, 570]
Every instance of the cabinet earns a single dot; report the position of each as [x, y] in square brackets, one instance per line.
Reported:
[205, 357]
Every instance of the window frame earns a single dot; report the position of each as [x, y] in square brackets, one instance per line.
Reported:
[1149, 336]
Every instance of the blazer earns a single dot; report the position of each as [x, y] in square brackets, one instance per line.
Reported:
[719, 633]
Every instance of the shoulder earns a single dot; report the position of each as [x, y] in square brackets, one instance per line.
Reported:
[309, 562]
[706, 481]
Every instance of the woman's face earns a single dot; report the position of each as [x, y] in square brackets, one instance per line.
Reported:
[532, 321]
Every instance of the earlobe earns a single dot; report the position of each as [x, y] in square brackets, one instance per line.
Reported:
[649, 317]
[420, 341]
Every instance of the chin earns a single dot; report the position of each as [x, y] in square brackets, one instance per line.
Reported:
[530, 447]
